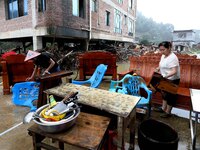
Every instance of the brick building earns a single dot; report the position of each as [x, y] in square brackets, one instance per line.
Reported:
[67, 21]
[183, 39]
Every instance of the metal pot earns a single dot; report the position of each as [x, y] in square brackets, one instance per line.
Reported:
[58, 127]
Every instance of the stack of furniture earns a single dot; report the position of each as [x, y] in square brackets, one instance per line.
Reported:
[190, 74]
[90, 60]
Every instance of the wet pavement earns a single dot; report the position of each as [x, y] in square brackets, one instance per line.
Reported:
[14, 134]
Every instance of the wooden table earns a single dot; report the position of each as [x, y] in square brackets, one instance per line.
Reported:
[195, 99]
[89, 132]
[121, 105]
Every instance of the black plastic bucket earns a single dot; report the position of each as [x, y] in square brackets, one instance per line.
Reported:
[156, 135]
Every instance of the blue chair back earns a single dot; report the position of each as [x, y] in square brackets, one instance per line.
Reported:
[132, 85]
[24, 93]
[96, 79]
[98, 75]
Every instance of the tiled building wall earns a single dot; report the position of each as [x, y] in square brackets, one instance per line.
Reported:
[16, 23]
[98, 17]
[58, 13]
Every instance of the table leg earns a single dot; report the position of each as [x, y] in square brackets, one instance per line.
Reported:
[132, 126]
[194, 132]
[61, 145]
[121, 129]
[193, 129]
[36, 139]
[120, 133]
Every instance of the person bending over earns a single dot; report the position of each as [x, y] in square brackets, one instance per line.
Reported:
[42, 61]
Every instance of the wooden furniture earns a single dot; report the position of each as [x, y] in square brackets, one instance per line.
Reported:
[49, 81]
[195, 98]
[15, 70]
[190, 74]
[120, 105]
[90, 60]
[160, 83]
[89, 132]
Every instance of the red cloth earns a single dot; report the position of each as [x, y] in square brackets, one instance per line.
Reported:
[6, 54]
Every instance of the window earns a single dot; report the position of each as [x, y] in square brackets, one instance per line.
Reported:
[125, 20]
[41, 5]
[120, 1]
[130, 4]
[130, 27]
[25, 7]
[17, 8]
[78, 8]
[182, 35]
[117, 28]
[107, 18]
[94, 5]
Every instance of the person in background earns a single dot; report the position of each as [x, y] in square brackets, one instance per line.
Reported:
[42, 61]
[169, 68]
[11, 52]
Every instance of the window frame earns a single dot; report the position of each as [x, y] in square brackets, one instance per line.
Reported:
[16, 8]
[130, 4]
[107, 18]
[117, 22]
[125, 20]
[120, 1]
[79, 8]
[42, 5]
[94, 6]
[130, 26]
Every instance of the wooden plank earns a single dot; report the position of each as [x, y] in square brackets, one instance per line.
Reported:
[49, 81]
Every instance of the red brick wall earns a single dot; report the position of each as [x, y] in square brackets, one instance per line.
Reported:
[58, 13]
[16, 23]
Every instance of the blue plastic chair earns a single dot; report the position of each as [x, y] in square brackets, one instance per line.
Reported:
[132, 85]
[24, 93]
[96, 78]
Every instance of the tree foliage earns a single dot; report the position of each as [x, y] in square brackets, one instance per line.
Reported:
[6, 46]
[148, 30]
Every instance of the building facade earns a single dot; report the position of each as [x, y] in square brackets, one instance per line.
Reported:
[67, 21]
[183, 39]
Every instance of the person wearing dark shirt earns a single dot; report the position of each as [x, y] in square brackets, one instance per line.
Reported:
[42, 61]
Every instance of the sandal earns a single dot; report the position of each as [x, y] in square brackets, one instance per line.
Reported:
[166, 115]
[159, 109]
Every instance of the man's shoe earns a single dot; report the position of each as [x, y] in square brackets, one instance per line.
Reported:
[166, 115]
[159, 109]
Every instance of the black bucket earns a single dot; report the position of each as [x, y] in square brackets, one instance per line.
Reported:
[156, 135]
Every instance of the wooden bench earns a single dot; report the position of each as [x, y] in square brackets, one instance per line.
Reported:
[90, 60]
[190, 75]
[15, 70]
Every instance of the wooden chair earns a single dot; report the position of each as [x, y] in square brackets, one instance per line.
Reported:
[15, 70]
